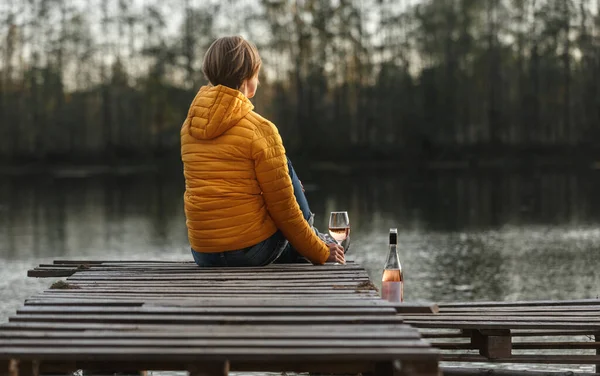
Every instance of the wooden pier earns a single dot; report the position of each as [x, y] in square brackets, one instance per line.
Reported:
[147, 315]
[515, 332]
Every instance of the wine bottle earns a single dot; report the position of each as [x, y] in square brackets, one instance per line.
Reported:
[392, 283]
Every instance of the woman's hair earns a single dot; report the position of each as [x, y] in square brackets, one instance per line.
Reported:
[231, 60]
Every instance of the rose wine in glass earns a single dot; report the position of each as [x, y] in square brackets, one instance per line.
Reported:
[392, 283]
[339, 226]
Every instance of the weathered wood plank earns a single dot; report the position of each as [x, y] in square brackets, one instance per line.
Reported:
[292, 343]
[503, 325]
[546, 359]
[271, 286]
[153, 262]
[208, 328]
[212, 319]
[69, 294]
[233, 278]
[479, 371]
[240, 310]
[565, 313]
[517, 309]
[190, 354]
[521, 303]
[218, 290]
[208, 302]
[95, 262]
[97, 271]
[295, 332]
[280, 268]
[411, 308]
[500, 319]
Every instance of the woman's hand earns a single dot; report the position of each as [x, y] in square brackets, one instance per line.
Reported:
[336, 253]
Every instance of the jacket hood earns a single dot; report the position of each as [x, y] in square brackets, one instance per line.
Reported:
[215, 110]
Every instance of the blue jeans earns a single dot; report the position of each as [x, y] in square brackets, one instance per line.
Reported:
[275, 249]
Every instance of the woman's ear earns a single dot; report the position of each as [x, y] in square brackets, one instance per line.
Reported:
[244, 87]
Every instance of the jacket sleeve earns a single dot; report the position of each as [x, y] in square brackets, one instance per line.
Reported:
[270, 163]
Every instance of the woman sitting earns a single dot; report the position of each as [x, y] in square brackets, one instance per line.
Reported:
[244, 204]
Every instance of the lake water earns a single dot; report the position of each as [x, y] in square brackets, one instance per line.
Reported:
[463, 235]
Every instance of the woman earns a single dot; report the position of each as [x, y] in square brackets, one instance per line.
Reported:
[244, 204]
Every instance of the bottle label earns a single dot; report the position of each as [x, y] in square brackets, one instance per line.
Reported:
[392, 291]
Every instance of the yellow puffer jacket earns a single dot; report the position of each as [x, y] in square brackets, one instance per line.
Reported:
[238, 189]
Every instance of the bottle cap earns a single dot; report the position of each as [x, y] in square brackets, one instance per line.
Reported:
[394, 236]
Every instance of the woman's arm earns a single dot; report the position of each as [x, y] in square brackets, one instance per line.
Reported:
[270, 163]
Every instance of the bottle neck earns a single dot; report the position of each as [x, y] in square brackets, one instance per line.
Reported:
[393, 261]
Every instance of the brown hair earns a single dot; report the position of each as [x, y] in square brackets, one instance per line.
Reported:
[231, 60]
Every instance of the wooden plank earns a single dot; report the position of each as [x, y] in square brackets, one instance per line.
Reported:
[264, 285]
[202, 277]
[518, 309]
[66, 272]
[280, 268]
[190, 354]
[168, 319]
[555, 345]
[96, 262]
[208, 328]
[458, 334]
[521, 303]
[152, 262]
[210, 302]
[454, 345]
[132, 275]
[525, 345]
[214, 333]
[292, 343]
[546, 332]
[504, 325]
[294, 294]
[90, 295]
[50, 273]
[522, 318]
[217, 290]
[533, 359]
[83, 302]
[411, 308]
[478, 371]
[240, 310]
[516, 313]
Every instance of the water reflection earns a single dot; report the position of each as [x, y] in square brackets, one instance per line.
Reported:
[463, 236]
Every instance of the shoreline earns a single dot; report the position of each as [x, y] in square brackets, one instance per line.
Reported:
[341, 167]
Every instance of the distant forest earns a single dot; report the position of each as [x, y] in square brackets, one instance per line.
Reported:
[114, 78]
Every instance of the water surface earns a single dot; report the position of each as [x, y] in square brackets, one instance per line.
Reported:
[463, 236]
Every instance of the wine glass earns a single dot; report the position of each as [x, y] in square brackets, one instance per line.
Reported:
[339, 226]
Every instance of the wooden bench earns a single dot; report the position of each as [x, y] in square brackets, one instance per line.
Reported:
[502, 331]
[175, 316]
